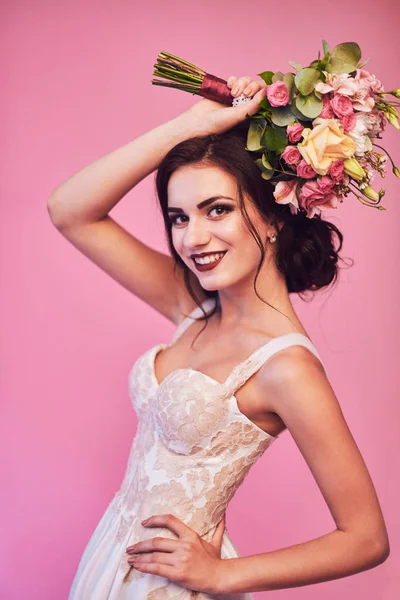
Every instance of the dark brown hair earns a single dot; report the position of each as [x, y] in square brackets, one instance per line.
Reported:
[305, 253]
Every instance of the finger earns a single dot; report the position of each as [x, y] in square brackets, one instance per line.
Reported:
[156, 543]
[231, 81]
[166, 571]
[163, 558]
[252, 88]
[218, 534]
[253, 105]
[240, 84]
[171, 522]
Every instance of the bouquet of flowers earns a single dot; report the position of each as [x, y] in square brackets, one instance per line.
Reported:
[314, 132]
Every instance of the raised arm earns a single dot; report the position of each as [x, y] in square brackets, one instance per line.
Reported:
[79, 206]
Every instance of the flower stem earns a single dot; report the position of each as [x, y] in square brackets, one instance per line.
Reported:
[390, 158]
[180, 60]
[184, 88]
[365, 201]
[174, 75]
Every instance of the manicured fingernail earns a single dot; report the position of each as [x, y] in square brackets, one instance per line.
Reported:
[235, 91]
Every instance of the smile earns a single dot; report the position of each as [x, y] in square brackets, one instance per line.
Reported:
[207, 263]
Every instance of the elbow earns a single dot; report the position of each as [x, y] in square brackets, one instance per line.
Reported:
[376, 551]
[52, 211]
[383, 552]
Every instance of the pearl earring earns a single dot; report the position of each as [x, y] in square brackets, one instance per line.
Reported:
[272, 238]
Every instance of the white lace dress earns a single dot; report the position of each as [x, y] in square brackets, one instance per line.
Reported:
[192, 449]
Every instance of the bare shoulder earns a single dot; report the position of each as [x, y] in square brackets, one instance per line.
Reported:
[290, 364]
[290, 373]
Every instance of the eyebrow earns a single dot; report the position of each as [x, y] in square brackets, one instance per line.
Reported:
[201, 204]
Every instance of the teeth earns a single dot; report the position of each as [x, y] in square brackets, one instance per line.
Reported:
[205, 260]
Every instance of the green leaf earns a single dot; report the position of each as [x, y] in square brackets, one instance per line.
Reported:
[322, 65]
[266, 164]
[299, 115]
[254, 134]
[277, 77]
[274, 138]
[282, 116]
[266, 173]
[265, 104]
[267, 76]
[326, 47]
[310, 106]
[295, 66]
[288, 80]
[306, 80]
[344, 58]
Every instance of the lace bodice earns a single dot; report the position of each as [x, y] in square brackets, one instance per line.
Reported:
[192, 449]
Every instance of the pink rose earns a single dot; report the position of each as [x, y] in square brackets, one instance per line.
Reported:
[294, 132]
[277, 93]
[313, 199]
[348, 122]
[285, 193]
[342, 105]
[291, 155]
[327, 112]
[305, 170]
[325, 184]
[336, 171]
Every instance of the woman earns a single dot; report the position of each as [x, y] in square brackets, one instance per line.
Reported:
[239, 370]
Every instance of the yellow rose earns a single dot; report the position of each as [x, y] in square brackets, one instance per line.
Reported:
[324, 144]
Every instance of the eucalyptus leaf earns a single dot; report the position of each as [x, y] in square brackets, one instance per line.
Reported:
[288, 80]
[266, 163]
[282, 116]
[267, 174]
[306, 80]
[277, 77]
[299, 115]
[295, 66]
[344, 58]
[309, 105]
[254, 136]
[266, 76]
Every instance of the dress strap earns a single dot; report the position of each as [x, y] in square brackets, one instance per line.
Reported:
[207, 305]
[244, 370]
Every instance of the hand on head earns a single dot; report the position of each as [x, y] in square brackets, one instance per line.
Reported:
[208, 117]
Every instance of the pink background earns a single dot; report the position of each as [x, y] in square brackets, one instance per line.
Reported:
[76, 85]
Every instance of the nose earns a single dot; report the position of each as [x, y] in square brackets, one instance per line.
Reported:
[196, 234]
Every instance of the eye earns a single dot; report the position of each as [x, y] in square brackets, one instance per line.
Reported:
[217, 207]
[224, 208]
